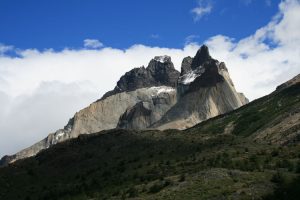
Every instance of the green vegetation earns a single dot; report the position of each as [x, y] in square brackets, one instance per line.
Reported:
[217, 159]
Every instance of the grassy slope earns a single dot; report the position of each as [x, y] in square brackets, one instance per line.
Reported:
[199, 163]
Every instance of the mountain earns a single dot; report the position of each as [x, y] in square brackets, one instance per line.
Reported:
[205, 90]
[155, 97]
[248, 153]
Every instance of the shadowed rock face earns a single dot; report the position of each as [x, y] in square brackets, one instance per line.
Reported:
[145, 113]
[7, 159]
[200, 71]
[201, 57]
[137, 116]
[160, 71]
[209, 78]
[186, 65]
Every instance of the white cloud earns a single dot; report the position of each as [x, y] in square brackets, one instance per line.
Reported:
[41, 90]
[191, 39]
[28, 118]
[92, 43]
[5, 48]
[267, 58]
[203, 8]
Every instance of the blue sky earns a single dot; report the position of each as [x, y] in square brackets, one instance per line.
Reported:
[117, 23]
[58, 56]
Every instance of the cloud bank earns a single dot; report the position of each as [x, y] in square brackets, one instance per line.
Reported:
[41, 90]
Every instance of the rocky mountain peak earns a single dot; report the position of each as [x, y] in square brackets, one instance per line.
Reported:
[200, 71]
[159, 72]
[159, 64]
[202, 56]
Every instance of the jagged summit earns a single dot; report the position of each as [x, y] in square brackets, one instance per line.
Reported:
[163, 59]
[200, 71]
[160, 71]
[204, 90]
[202, 56]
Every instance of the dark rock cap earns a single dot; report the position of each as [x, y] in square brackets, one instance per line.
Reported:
[160, 71]
[201, 57]
[209, 74]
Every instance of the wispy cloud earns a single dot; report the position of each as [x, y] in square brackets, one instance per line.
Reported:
[204, 8]
[154, 36]
[92, 43]
[268, 2]
[5, 48]
[271, 54]
[246, 2]
[190, 39]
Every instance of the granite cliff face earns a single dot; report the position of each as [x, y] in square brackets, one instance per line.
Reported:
[155, 97]
[204, 89]
[143, 114]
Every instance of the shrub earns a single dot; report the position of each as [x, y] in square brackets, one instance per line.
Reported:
[132, 192]
[277, 178]
[181, 178]
[158, 186]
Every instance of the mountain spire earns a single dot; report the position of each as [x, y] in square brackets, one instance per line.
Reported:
[201, 56]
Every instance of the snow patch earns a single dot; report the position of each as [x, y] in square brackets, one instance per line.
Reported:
[162, 59]
[191, 76]
[161, 89]
[165, 90]
[59, 135]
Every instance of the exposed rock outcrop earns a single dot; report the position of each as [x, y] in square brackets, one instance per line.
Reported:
[186, 65]
[287, 84]
[145, 113]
